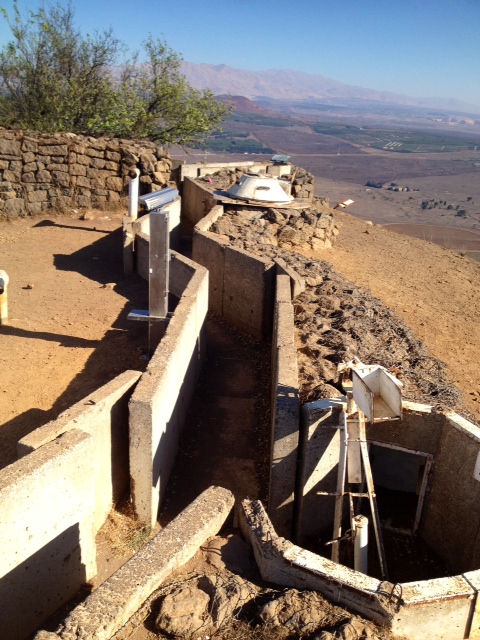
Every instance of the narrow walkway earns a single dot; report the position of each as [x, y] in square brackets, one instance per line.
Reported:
[225, 441]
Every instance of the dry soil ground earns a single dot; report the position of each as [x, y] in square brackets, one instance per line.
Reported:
[67, 331]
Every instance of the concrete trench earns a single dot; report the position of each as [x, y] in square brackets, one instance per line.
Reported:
[225, 441]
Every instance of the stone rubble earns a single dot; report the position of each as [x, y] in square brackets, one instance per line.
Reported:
[335, 320]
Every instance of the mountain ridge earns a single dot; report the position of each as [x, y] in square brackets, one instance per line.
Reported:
[288, 84]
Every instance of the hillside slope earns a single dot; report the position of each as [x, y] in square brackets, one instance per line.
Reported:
[434, 290]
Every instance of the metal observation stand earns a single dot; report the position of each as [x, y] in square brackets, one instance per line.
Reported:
[157, 314]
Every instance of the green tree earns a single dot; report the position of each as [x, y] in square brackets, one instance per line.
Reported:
[54, 79]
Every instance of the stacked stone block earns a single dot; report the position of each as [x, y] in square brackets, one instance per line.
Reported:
[60, 171]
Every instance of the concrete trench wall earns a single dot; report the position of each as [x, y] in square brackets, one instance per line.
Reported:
[443, 608]
[285, 411]
[108, 609]
[242, 286]
[71, 471]
[255, 296]
[161, 400]
[47, 537]
[104, 415]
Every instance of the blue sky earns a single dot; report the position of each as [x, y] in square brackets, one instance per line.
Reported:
[422, 48]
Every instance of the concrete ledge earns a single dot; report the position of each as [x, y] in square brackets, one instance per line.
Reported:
[47, 537]
[205, 223]
[297, 283]
[285, 412]
[110, 607]
[285, 564]
[161, 399]
[104, 415]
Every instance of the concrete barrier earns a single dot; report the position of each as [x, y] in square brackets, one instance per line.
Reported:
[159, 404]
[242, 285]
[110, 607]
[197, 201]
[285, 412]
[441, 609]
[47, 537]
[104, 415]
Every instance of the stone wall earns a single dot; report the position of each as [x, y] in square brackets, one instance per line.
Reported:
[39, 171]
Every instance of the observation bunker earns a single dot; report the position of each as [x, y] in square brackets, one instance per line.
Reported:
[414, 473]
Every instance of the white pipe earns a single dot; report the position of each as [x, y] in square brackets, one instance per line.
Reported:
[361, 544]
[133, 194]
[3, 297]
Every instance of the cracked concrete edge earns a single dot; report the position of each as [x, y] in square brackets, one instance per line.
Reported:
[82, 414]
[111, 606]
[282, 562]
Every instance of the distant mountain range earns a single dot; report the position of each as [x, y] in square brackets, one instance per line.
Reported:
[290, 85]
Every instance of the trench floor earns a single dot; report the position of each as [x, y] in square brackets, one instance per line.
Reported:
[225, 441]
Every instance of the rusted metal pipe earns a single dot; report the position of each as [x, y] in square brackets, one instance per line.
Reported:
[4, 279]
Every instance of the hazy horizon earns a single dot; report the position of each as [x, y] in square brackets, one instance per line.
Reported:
[417, 48]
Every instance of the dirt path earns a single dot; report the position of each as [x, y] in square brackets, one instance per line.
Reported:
[226, 438]
[434, 290]
[67, 332]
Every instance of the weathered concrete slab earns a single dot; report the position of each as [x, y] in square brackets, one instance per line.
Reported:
[110, 607]
[47, 537]
[209, 251]
[162, 397]
[104, 415]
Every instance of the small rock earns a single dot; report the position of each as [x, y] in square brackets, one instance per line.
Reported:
[29, 286]
[184, 612]
[87, 216]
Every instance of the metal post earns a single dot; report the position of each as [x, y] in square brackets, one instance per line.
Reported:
[361, 544]
[133, 194]
[128, 232]
[372, 496]
[158, 276]
[3, 298]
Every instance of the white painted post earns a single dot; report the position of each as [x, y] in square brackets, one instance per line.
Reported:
[128, 232]
[361, 544]
[133, 194]
[3, 297]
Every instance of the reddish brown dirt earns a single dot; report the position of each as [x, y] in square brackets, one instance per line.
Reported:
[434, 290]
[67, 332]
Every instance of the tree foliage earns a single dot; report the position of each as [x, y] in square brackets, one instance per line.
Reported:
[52, 78]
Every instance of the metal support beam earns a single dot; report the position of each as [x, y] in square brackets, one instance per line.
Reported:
[158, 277]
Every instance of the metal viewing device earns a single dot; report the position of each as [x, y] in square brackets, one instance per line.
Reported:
[158, 272]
